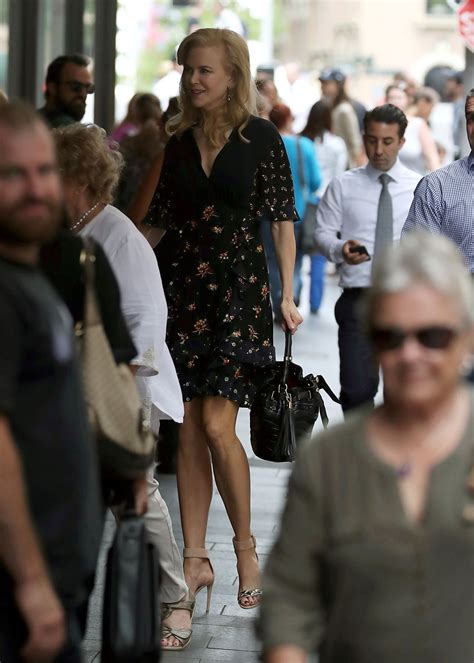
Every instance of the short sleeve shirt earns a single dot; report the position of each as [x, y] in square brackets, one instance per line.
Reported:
[42, 399]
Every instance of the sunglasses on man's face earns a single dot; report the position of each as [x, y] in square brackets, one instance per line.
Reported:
[393, 338]
[77, 86]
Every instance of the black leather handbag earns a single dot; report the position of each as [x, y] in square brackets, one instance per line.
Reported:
[131, 611]
[286, 408]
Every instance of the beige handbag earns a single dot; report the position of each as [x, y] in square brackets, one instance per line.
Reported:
[125, 445]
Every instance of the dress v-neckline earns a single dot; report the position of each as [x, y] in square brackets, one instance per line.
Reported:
[199, 155]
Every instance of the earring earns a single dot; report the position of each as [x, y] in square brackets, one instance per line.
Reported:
[229, 96]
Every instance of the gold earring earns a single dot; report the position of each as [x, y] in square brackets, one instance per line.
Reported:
[229, 96]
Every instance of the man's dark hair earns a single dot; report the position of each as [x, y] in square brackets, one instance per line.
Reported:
[53, 73]
[388, 114]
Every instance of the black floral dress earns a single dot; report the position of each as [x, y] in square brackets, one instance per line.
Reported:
[220, 330]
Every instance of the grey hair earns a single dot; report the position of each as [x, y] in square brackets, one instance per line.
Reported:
[425, 258]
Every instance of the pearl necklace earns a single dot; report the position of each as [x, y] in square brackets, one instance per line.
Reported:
[84, 216]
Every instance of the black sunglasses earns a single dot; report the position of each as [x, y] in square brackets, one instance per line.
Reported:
[392, 338]
[77, 86]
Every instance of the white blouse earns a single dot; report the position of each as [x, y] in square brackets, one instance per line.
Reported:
[144, 308]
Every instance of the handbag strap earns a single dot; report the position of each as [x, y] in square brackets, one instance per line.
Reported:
[299, 157]
[286, 358]
[322, 384]
[87, 260]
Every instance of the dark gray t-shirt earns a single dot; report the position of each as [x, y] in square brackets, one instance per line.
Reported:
[41, 395]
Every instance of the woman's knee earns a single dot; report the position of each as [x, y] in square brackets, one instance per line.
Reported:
[220, 435]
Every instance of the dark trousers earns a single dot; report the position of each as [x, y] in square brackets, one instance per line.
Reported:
[359, 374]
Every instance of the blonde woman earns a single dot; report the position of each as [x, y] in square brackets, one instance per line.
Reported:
[225, 172]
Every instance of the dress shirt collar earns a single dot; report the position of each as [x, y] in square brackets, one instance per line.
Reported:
[394, 172]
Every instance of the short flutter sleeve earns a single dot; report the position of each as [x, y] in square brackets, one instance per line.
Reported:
[162, 208]
[274, 190]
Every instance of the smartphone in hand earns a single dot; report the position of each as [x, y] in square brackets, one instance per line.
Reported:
[360, 248]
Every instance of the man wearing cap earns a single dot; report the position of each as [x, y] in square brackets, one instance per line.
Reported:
[360, 214]
[68, 82]
[345, 121]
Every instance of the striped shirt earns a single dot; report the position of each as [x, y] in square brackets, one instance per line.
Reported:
[444, 203]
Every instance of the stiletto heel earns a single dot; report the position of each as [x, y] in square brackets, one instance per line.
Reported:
[209, 596]
[202, 553]
[253, 593]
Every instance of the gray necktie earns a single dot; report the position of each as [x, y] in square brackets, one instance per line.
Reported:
[384, 227]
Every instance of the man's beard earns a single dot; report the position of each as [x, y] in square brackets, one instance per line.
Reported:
[75, 109]
[18, 229]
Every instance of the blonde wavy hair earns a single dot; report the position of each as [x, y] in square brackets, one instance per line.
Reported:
[85, 159]
[243, 98]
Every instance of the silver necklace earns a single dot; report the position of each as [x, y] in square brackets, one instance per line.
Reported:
[84, 216]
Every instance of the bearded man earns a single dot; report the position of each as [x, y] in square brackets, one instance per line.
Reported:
[68, 82]
[50, 511]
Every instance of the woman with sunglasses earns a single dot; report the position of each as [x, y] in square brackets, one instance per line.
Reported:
[375, 557]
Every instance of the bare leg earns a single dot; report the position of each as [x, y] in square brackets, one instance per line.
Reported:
[195, 491]
[232, 474]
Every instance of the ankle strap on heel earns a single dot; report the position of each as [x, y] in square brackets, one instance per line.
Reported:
[248, 544]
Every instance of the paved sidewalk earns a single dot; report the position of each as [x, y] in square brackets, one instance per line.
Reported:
[227, 633]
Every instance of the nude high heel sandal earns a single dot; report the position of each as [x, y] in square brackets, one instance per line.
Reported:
[247, 593]
[201, 553]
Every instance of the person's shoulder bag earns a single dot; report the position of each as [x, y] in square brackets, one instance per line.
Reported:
[307, 241]
[125, 445]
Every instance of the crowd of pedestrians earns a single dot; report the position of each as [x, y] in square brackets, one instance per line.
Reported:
[196, 212]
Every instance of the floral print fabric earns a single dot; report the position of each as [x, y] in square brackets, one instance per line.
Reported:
[220, 330]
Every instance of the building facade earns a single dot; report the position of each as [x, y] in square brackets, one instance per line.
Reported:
[372, 39]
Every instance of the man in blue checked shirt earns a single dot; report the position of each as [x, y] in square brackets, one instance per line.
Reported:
[444, 200]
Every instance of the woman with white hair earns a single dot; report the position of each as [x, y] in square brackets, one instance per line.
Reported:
[375, 557]
[90, 171]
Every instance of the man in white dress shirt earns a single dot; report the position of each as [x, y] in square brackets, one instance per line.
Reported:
[364, 207]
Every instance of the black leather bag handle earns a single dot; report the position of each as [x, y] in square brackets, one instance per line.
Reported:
[287, 358]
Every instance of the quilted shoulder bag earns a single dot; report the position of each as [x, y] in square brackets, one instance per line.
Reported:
[125, 444]
[286, 408]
